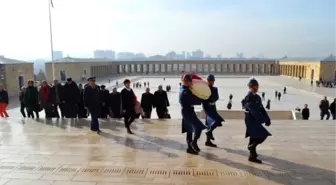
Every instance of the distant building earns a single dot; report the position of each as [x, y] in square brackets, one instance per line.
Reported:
[14, 74]
[126, 56]
[171, 55]
[58, 55]
[104, 54]
[198, 54]
[140, 56]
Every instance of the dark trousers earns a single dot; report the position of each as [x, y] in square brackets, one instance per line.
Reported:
[30, 112]
[325, 113]
[116, 113]
[22, 109]
[94, 122]
[147, 114]
[252, 145]
[189, 137]
[104, 112]
[305, 118]
[82, 112]
[71, 110]
[129, 117]
[161, 112]
[333, 115]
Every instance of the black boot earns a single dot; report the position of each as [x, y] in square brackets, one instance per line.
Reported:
[190, 150]
[210, 144]
[253, 154]
[210, 135]
[194, 145]
[129, 130]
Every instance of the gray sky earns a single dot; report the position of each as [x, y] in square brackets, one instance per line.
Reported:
[300, 28]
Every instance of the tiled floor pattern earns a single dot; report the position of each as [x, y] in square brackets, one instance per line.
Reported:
[64, 152]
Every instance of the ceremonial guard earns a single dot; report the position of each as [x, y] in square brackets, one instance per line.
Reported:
[255, 116]
[92, 103]
[190, 122]
[212, 119]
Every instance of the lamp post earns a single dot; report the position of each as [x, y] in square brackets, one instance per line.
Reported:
[50, 4]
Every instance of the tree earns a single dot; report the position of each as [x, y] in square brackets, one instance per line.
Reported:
[41, 76]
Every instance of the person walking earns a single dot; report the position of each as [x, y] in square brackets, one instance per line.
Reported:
[22, 103]
[31, 100]
[3, 101]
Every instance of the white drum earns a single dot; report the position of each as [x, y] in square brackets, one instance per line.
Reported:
[200, 89]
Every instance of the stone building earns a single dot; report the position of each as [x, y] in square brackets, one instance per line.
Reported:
[310, 69]
[14, 74]
[81, 68]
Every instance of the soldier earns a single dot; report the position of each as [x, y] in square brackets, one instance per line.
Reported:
[213, 119]
[255, 116]
[190, 122]
[92, 103]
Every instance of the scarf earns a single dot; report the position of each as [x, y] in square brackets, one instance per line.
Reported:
[45, 91]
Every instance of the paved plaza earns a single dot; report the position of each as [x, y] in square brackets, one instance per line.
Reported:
[65, 152]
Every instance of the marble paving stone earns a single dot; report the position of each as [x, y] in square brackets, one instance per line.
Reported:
[155, 154]
[3, 181]
[29, 182]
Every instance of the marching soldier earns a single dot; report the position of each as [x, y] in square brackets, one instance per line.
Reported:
[190, 122]
[213, 119]
[255, 116]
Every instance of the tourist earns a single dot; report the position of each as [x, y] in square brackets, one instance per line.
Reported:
[263, 95]
[279, 96]
[268, 105]
[3, 101]
[22, 104]
[332, 109]
[190, 122]
[229, 105]
[212, 119]
[324, 107]
[255, 116]
[230, 97]
[284, 90]
[31, 100]
[115, 104]
[71, 98]
[103, 96]
[276, 94]
[161, 102]
[57, 89]
[147, 102]
[92, 103]
[82, 112]
[305, 112]
[128, 104]
[46, 100]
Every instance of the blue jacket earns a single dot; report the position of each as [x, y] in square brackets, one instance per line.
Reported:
[255, 116]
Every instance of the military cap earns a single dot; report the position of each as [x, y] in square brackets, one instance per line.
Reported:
[253, 82]
[211, 77]
[91, 78]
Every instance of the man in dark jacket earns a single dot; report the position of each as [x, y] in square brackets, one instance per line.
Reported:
[31, 100]
[71, 98]
[104, 95]
[332, 109]
[147, 100]
[128, 105]
[161, 102]
[22, 104]
[92, 103]
[115, 103]
[57, 90]
[324, 107]
[82, 112]
[305, 112]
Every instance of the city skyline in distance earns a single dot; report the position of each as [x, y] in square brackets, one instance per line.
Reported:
[302, 28]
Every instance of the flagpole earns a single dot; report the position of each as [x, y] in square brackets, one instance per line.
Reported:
[51, 41]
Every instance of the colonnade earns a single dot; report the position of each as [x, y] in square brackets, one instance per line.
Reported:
[294, 70]
[198, 68]
[104, 70]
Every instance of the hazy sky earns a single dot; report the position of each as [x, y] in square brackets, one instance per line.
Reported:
[274, 28]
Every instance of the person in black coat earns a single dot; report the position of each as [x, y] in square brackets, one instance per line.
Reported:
[263, 95]
[92, 103]
[305, 112]
[229, 105]
[285, 90]
[147, 101]
[161, 102]
[279, 96]
[31, 100]
[57, 90]
[22, 104]
[268, 105]
[104, 95]
[276, 94]
[332, 109]
[71, 98]
[115, 103]
[230, 97]
[324, 107]
[82, 112]
[128, 105]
